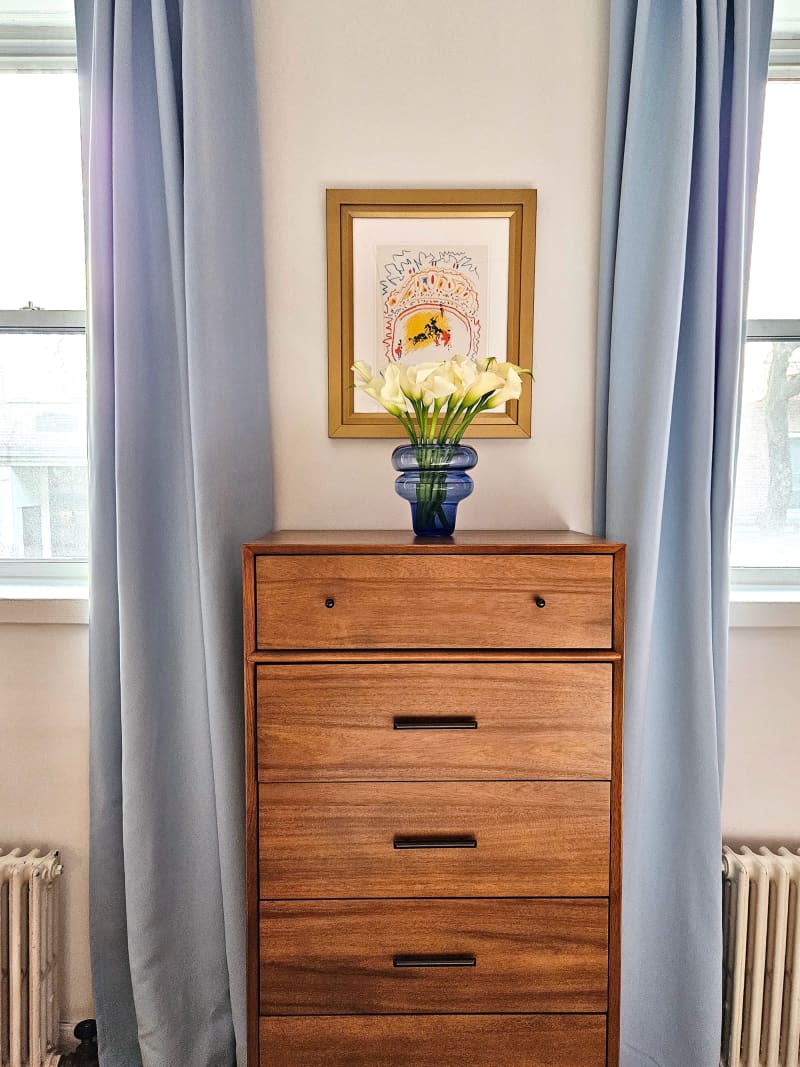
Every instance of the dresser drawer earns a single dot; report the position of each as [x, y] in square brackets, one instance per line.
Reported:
[425, 839]
[417, 601]
[440, 1040]
[341, 721]
[343, 957]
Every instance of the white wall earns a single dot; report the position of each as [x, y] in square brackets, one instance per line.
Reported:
[761, 797]
[351, 99]
[433, 93]
[44, 781]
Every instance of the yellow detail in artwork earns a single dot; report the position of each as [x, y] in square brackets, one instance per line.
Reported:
[425, 328]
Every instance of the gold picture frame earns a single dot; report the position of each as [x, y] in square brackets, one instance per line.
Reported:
[396, 254]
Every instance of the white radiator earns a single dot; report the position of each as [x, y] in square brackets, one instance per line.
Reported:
[28, 959]
[761, 963]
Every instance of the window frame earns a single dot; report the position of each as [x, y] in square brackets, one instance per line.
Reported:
[766, 586]
[37, 42]
[41, 42]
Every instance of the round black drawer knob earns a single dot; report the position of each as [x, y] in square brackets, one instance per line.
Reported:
[540, 602]
[329, 602]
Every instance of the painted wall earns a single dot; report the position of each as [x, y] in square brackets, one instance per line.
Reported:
[44, 781]
[446, 93]
[761, 796]
[350, 99]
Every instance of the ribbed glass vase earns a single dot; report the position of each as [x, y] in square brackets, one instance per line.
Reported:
[434, 479]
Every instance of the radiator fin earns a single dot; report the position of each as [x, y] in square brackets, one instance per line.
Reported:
[761, 962]
[28, 959]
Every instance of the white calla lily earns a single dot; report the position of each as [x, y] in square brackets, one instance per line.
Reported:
[462, 371]
[421, 371]
[385, 388]
[486, 382]
[437, 388]
[391, 395]
[436, 402]
[362, 371]
[409, 385]
[412, 378]
[511, 389]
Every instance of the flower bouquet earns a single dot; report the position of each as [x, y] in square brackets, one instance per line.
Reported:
[435, 404]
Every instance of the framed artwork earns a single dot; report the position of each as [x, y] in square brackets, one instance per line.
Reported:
[416, 275]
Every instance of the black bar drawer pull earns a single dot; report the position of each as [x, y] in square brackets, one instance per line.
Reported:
[457, 960]
[433, 722]
[432, 841]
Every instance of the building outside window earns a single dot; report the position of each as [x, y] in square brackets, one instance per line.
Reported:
[766, 526]
[43, 462]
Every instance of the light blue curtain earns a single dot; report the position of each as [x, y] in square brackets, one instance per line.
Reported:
[685, 104]
[180, 476]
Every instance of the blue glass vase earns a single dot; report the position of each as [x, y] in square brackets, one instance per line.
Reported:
[434, 479]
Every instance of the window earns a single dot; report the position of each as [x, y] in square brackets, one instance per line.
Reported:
[765, 548]
[43, 469]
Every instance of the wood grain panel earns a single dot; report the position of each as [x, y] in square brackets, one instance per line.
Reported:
[434, 655]
[532, 839]
[443, 602]
[615, 903]
[453, 626]
[443, 1040]
[250, 799]
[334, 722]
[336, 957]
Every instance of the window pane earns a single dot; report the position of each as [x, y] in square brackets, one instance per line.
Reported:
[41, 208]
[775, 268]
[766, 526]
[43, 511]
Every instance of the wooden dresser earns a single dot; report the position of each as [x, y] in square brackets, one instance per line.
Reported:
[434, 795]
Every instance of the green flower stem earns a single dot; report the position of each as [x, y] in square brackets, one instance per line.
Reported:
[454, 423]
[479, 407]
[425, 420]
[450, 418]
[408, 426]
[464, 412]
[418, 413]
[437, 407]
[432, 484]
[420, 410]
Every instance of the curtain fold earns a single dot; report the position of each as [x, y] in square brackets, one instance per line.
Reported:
[684, 112]
[179, 477]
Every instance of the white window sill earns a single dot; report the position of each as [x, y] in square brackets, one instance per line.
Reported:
[44, 603]
[756, 607]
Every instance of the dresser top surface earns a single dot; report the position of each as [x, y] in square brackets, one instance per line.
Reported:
[313, 542]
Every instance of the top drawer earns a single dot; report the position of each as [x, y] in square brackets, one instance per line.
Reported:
[469, 601]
